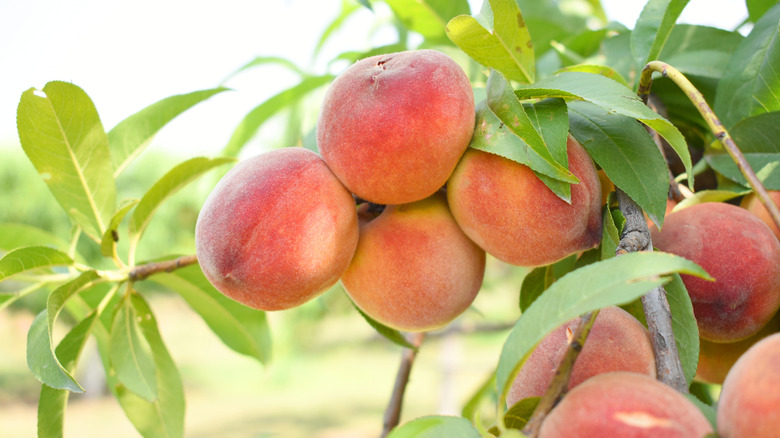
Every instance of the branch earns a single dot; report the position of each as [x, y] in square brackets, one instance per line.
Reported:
[636, 237]
[393, 411]
[717, 128]
[562, 375]
[141, 272]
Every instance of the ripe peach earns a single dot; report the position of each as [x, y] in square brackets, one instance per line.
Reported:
[749, 404]
[743, 256]
[717, 358]
[509, 212]
[414, 269]
[752, 204]
[277, 230]
[626, 405]
[393, 127]
[616, 342]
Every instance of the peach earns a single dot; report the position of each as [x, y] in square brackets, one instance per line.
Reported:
[509, 212]
[717, 358]
[740, 253]
[749, 404]
[392, 127]
[616, 342]
[752, 204]
[626, 405]
[277, 230]
[414, 269]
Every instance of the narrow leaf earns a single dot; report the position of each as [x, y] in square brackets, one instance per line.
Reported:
[700, 50]
[266, 60]
[684, 327]
[347, 9]
[390, 334]
[653, 27]
[614, 281]
[52, 402]
[131, 136]
[436, 426]
[626, 153]
[131, 358]
[111, 236]
[757, 8]
[41, 358]
[17, 235]
[261, 113]
[31, 257]
[61, 134]
[505, 47]
[428, 17]
[166, 186]
[750, 83]
[613, 97]
[243, 329]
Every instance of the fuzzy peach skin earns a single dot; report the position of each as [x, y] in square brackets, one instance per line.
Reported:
[616, 342]
[392, 127]
[414, 269]
[277, 230]
[509, 212]
[717, 358]
[749, 403]
[625, 405]
[740, 253]
[752, 204]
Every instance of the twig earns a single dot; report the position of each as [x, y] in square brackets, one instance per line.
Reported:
[636, 237]
[562, 375]
[717, 128]
[143, 271]
[393, 411]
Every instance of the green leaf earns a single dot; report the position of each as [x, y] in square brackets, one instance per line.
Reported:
[503, 103]
[686, 332]
[428, 17]
[347, 9]
[436, 426]
[110, 237]
[130, 356]
[703, 196]
[550, 20]
[756, 137]
[653, 27]
[266, 60]
[518, 415]
[61, 134]
[505, 47]
[700, 50]
[757, 8]
[610, 238]
[611, 96]
[243, 329]
[52, 402]
[627, 154]
[131, 136]
[709, 412]
[750, 83]
[534, 283]
[16, 235]
[549, 117]
[471, 407]
[41, 358]
[261, 113]
[614, 281]
[166, 186]
[602, 70]
[390, 334]
[31, 257]
[163, 417]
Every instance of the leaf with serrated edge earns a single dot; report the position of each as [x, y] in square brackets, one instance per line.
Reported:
[41, 358]
[166, 186]
[614, 281]
[653, 27]
[626, 153]
[130, 356]
[131, 136]
[31, 257]
[507, 47]
[52, 402]
[243, 329]
[62, 135]
[613, 97]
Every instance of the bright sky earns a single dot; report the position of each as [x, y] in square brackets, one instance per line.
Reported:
[127, 55]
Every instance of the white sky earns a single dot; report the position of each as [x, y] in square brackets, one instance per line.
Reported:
[127, 55]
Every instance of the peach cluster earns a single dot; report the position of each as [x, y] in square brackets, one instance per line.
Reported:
[395, 204]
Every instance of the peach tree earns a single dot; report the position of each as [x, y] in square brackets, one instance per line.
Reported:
[561, 144]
